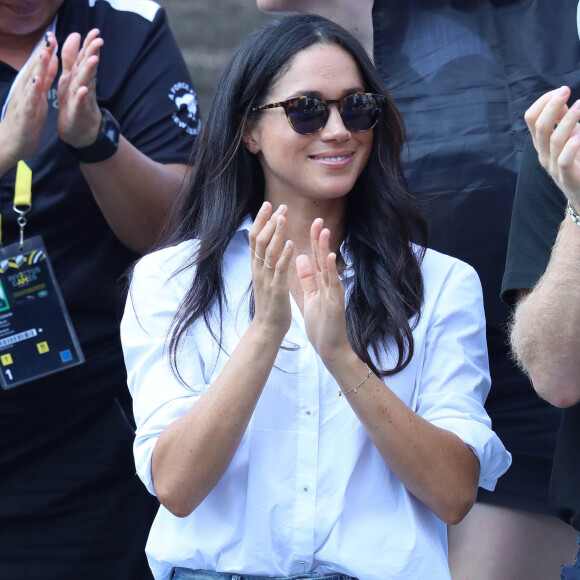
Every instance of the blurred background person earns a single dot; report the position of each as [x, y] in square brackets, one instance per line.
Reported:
[463, 73]
[98, 102]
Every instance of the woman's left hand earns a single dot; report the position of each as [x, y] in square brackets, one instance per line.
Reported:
[79, 116]
[323, 296]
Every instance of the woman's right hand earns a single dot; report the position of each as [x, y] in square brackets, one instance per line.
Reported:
[27, 110]
[271, 254]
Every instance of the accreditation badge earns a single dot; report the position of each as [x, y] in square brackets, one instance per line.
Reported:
[36, 334]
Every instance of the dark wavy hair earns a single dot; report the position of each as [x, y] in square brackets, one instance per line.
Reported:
[227, 184]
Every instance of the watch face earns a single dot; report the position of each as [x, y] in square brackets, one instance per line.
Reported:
[110, 128]
[106, 144]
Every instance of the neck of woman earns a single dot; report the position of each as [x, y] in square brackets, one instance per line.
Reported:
[301, 215]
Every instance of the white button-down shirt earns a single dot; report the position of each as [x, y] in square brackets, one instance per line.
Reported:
[307, 490]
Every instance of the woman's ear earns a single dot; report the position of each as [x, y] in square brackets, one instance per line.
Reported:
[251, 137]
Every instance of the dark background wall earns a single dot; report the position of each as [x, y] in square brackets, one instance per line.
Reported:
[207, 31]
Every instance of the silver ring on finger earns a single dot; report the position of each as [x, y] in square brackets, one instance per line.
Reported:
[263, 260]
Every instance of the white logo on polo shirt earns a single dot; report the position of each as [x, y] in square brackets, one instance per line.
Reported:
[187, 114]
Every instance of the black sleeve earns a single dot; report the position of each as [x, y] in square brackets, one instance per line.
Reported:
[145, 83]
[539, 207]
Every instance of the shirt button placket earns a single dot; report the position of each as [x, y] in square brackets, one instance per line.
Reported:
[307, 456]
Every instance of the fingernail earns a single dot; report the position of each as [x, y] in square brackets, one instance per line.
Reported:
[287, 245]
[563, 91]
[576, 105]
[279, 210]
[279, 221]
[264, 206]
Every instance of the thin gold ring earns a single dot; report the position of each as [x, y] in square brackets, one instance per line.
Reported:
[263, 260]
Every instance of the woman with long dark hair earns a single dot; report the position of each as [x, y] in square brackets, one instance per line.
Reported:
[308, 380]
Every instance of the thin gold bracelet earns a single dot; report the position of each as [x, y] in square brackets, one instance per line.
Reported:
[369, 373]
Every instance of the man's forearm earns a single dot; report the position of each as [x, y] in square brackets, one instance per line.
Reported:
[545, 334]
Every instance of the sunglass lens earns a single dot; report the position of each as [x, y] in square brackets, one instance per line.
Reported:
[360, 112]
[307, 115]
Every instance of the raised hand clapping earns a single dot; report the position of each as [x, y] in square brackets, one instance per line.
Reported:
[556, 134]
[27, 109]
[323, 296]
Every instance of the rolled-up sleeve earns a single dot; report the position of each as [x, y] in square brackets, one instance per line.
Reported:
[159, 396]
[454, 378]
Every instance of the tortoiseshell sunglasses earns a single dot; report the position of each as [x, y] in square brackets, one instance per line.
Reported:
[307, 115]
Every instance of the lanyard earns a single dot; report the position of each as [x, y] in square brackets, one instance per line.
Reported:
[22, 197]
[51, 28]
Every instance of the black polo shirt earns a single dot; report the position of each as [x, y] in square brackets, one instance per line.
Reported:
[143, 80]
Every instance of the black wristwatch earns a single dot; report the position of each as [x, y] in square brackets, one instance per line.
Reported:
[106, 144]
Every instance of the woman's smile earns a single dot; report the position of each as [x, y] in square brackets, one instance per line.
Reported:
[333, 160]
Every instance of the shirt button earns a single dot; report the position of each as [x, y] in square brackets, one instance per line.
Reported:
[305, 488]
[308, 412]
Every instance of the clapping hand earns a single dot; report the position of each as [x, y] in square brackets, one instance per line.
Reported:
[324, 314]
[79, 117]
[270, 256]
[556, 134]
[27, 110]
